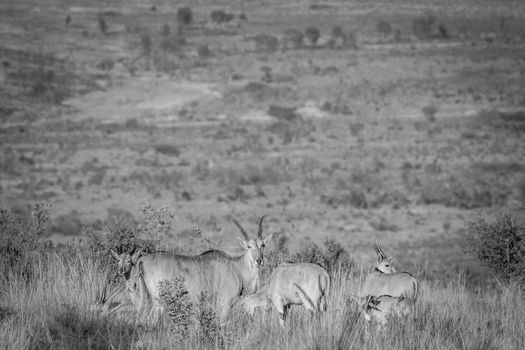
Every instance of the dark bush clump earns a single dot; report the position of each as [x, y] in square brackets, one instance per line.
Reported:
[384, 28]
[185, 15]
[204, 51]
[422, 27]
[333, 258]
[500, 246]
[20, 239]
[219, 16]
[102, 25]
[313, 34]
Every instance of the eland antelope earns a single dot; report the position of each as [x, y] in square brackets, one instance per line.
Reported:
[384, 280]
[224, 276]
[292, 284]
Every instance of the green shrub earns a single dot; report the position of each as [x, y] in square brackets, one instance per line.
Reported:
[500, 246]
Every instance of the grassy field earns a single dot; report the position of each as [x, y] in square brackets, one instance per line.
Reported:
[406, 130]
[52, 311]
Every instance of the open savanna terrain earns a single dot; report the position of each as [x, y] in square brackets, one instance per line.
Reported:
[407, 129]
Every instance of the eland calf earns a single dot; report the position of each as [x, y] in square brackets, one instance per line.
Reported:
[224, 276]
[384, 280]
[132, 293]
[292, 284]
[379, 309]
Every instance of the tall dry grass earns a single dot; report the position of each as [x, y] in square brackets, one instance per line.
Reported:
[51, 310]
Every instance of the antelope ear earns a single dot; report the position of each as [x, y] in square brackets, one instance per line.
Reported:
[114, 253]
[243, 243]
[391, 258]
[267, 238]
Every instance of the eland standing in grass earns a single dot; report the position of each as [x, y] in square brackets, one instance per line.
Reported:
[224, 276]
[292, 284]
[384, 280]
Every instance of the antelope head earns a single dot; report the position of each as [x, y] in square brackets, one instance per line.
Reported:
[255, 247]
[384, 264]
[126, 261]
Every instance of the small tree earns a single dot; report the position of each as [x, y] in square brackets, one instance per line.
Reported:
[337, 32]
[185, 15]
[500, 246]
[384, 28]
[102, 25]
[313, 34]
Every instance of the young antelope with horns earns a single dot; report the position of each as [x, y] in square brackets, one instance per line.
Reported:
[384, 280]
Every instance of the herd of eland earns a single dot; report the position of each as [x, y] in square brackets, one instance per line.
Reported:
[228, 278]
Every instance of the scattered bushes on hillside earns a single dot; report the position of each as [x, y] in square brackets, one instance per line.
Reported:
[500, 246]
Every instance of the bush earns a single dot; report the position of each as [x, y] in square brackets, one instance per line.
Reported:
[292, 39]
[313, 34]
[384, 28]
[265, 42]
[219, 16]
[186, 318]
[21, 238]
[185, 15]
[333, 258]
[422, 26]
[102, 25]
[337, 32]
[204, 51]
[500, 246]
